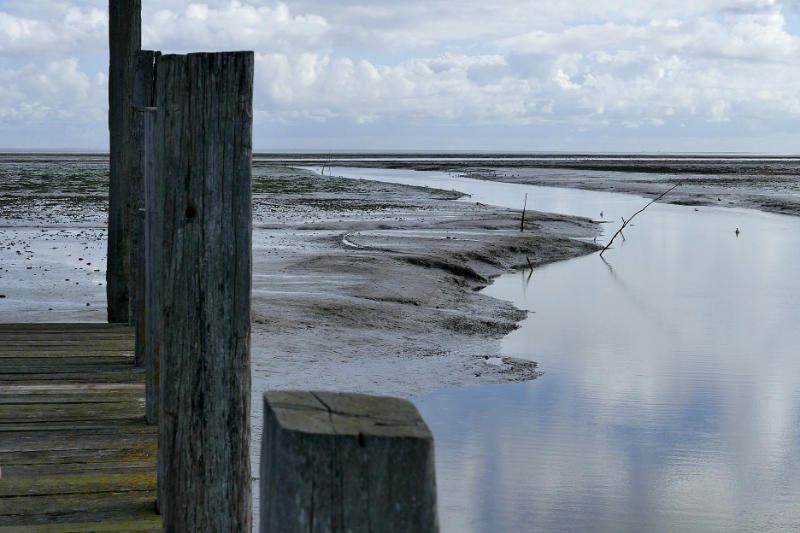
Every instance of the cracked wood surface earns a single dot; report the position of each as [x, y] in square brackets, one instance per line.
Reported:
[75, 451]
[202, 252]
[337, 462]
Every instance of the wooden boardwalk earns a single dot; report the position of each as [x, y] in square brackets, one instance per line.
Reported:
[75, 452]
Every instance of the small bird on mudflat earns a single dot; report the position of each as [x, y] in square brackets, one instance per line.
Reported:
[737, 232]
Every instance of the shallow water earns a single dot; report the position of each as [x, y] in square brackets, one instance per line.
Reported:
[671, 394]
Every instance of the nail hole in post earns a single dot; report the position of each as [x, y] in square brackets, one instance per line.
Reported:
[190, 212]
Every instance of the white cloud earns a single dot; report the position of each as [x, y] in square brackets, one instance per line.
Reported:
[76, 30]
[234, 26]
[621, 64]
[56, 92]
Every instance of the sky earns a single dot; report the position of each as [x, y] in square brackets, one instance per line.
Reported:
[500, 75]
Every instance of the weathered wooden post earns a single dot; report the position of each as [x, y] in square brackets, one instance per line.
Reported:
[125, 38]
[152, 283]
[335, 462]
[203, 155]
[143, 97]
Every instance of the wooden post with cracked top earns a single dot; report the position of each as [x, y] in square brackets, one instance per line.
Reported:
[338, 462]
[203, 156]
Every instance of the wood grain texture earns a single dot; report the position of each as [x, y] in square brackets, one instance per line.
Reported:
[143, 98]
[203, 153]
[75, 452]
[152, 283]
[335, 462]
[124, 38]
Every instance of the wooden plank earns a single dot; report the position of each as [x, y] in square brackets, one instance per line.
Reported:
[47, 372]
[121, 437]
[54, 357]
[75, 450]
[131, 397]
[83, 457]
[63, 361]
[68, 347]
[43, 389]
[85, 425]
[86, 508]
[70, 412]
[117, 333]
[92, 483]
[39, 343]
[57, 355]
[71, 327]
[112, 467]
[69, 377]
[77, 336]
[109, 526]
[85, 454]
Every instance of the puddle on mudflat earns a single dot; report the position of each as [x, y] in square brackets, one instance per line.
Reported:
[671, 394]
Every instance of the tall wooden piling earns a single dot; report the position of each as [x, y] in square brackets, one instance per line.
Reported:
[153, 315]
[203, 154]
[125, 38]
[337, 462]
[143, 98]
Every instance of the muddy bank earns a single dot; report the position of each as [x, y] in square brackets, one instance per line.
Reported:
[357, 285]
[772, 193]
[371, 287]
[767, 183]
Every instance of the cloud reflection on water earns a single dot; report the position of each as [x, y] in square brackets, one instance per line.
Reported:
[670, 399]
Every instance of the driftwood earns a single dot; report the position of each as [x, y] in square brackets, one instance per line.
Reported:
[626, 222]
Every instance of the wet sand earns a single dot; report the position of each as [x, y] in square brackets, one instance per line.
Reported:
[766, 183]
[371, 287]
[357, 285]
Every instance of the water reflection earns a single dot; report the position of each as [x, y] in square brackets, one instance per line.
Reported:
[670, 399]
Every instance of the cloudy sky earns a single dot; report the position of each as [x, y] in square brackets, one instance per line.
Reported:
[567, 75]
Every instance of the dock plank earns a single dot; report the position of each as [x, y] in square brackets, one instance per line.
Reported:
[76, 453]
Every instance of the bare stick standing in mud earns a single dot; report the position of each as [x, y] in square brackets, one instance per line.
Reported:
[522, 224]
[626, 222]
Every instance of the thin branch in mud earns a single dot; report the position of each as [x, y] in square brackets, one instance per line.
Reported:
[522, 224]
[626, 222]
[330, 170]
[529, 263]
[620, 230]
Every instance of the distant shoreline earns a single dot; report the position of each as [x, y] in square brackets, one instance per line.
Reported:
[322, 155]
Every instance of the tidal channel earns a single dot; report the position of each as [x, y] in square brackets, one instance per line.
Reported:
[670, 399]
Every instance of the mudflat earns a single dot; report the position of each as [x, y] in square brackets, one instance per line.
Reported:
[358, 286]
[372, 287]
[766, 183]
